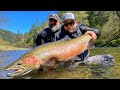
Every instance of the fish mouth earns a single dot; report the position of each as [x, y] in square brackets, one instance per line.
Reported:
[18, 71]
[14, 72]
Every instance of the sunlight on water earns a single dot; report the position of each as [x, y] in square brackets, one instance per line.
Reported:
[81, 72]
[7, 58]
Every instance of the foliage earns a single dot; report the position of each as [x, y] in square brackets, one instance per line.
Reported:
[8, 36]
[98, 18]
[115, 43]
[2, 42]
[110, 30]
[108, 22]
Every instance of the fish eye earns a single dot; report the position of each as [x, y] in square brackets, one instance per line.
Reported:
[19, 63]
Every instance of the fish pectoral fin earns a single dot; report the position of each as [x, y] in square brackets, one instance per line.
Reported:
[45, 68]
[90, 45]
[49, 63]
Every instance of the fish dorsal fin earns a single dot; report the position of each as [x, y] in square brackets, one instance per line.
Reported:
[90, 45]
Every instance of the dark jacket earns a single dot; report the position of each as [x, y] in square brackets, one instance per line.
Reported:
[80, 30]
[46, 36]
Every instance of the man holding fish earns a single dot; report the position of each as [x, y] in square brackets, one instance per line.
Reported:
[71, 29]
[72, 44]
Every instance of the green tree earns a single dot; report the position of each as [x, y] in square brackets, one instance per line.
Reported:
[98, 18]
[110, 30]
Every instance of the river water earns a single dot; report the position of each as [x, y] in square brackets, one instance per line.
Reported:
[81, 72]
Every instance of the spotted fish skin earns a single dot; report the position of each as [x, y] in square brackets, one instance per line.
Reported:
[50, 53]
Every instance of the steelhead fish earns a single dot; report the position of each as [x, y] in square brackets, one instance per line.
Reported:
[48, 54]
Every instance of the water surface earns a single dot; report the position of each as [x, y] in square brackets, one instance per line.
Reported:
[81, 72]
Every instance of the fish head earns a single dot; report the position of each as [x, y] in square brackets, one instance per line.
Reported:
[22, 66]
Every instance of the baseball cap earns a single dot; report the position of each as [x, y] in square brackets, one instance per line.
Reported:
[68, 16]
[53, 16]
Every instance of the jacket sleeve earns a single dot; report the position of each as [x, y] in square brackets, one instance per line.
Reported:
[85, 28]
[39, 40]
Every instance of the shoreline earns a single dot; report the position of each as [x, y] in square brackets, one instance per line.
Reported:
[7, 48]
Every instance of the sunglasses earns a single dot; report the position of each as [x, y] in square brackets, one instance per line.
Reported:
[70, 23]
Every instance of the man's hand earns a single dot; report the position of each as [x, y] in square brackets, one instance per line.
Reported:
[92, 34]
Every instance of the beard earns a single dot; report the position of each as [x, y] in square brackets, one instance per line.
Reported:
[55, 28]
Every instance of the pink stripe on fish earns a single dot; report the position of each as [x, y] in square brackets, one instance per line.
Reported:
[32, 60]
